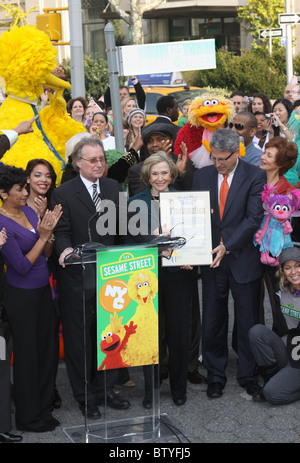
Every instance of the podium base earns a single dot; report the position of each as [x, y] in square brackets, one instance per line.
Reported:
[138, 430]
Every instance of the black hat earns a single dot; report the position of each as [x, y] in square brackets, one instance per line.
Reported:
[289, 254]
[159, 127]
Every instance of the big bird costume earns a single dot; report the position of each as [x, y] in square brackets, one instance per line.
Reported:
[27, 60]
[206, 114]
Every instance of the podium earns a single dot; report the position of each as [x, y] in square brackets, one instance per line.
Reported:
[118, 426]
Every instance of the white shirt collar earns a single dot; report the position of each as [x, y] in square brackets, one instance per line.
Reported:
[161, 115]
[89, 185]
[230, 175]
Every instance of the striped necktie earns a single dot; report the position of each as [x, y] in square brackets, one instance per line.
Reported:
[96, 198]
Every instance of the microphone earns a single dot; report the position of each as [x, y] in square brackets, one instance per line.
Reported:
[98, 213]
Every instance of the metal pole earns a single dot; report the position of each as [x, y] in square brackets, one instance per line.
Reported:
[270, 42]
[113, 73]
[76, 45]
[289, 52]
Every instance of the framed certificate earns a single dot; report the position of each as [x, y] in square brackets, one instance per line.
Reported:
[187, 214]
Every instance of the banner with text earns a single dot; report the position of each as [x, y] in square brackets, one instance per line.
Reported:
[127, 307]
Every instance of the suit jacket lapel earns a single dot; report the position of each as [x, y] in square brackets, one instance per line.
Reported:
[214, 194]
[83, 196]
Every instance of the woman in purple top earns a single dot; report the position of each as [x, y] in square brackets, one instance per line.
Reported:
[27, 301]
[41, 181]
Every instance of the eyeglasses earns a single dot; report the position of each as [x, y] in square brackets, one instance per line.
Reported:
[221, 160]
[94, 161]
[239, 126]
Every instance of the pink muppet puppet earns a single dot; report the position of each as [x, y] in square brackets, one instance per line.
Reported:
[274, 233]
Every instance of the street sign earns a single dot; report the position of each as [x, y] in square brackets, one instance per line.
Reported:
[289, 18]
[167, 57]
[267, 33]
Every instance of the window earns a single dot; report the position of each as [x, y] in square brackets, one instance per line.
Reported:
[151, 100]
[225, 30]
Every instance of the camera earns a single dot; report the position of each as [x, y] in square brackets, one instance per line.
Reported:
[273, 120]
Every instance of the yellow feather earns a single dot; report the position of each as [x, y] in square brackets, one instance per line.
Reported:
[27, 59]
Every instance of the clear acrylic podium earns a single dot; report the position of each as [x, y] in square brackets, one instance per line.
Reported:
[118, 426]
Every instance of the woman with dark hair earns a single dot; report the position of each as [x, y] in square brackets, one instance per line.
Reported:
[264, 130]
[99, 128]
[77, 108]
[281, 112]
[40, 184]
[279, 157]
[27, 301]
[260, 102]
[270, 347]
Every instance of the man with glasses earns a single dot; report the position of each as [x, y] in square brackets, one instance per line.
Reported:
[288, 92]
[245, 125]
[235, 188]
[80, 199]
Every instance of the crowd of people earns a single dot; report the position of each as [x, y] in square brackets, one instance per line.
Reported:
[41, 224]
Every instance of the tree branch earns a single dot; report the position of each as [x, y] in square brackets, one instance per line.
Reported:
[151, 6]
[125, 16]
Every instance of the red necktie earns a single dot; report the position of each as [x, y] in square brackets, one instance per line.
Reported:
[223, 195]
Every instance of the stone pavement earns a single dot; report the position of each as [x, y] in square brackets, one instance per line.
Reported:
[233, 418]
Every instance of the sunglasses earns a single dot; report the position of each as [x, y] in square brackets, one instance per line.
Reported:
[239, 126]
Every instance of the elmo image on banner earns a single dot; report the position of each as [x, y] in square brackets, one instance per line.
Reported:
[127, 307]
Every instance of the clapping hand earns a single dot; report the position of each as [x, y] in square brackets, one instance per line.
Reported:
[47, 224]
[40, 205]
[138, 141]
[182, 158]
[167, 145]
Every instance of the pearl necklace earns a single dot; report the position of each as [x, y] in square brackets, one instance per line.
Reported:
[10, 214]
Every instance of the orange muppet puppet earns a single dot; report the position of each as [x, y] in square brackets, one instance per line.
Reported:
[206, 114]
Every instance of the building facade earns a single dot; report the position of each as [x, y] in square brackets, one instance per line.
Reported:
[173, 20]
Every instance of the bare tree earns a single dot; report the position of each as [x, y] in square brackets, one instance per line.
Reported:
[134, 18]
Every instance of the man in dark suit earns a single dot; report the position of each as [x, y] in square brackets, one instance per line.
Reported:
[77, 226]
[236, 263]
[168, 112]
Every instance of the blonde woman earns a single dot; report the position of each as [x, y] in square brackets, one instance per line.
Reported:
[127, 105]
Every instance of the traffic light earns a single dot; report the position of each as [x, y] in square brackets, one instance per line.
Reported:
[51, 24]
